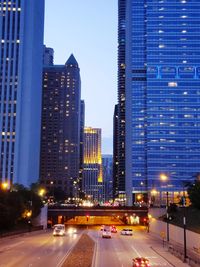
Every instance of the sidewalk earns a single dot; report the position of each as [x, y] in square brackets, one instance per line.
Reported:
[164, 253]
[174, 253]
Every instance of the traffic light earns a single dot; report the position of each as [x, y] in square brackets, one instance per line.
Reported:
[87, 217]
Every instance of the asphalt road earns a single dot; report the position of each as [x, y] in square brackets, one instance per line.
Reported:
[120, 250]
[39, 249]
[42, 249]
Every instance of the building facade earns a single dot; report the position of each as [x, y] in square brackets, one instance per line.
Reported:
[92, 173]
[162, 84]
[115, 153]
[107, 166]
[82, 127]
[121, 111]
[21, 50]
[60, 141]
[48, 56]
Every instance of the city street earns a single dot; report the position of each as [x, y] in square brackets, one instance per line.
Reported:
[120, 250]
[42, 249]
[36, 249]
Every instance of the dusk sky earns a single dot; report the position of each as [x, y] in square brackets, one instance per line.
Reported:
[88, 29]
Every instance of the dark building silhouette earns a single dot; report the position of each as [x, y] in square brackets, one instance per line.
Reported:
[115, 153]
[60, 142]
[120, 142]
[48, 56]
[82, 126]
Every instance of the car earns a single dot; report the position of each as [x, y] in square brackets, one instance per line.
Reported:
[113, 229]
[106, 232]
[59, 230]
[71, 230]
[141, 262]
[126, 231]
[102, 227]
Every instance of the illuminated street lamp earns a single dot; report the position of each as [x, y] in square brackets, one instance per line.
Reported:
[5, 186]
[28, 215]
[154, 192]
[164, 178]
[42, 192]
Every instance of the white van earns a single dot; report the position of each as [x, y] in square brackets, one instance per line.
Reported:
[106, 232]
[59, 229]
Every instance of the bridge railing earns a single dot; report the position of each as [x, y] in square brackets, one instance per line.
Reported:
[60, 206]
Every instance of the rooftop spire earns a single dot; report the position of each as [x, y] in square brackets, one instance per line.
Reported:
[72, 61]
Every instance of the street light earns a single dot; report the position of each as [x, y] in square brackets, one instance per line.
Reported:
[42, 192]
[184, 220]
[5, 185]
[28, 215]
[154, 193]
[164, 178]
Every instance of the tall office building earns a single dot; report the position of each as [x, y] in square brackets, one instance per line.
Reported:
[48, 56]
[82, 126]
[21, 50]
[107, 165]
[92, 172]
[162, 84]
[115, 153]
[60, 143]
[120, 142]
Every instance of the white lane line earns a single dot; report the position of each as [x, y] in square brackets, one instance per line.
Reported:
[95, 259]
[68, 252]
[138, 254]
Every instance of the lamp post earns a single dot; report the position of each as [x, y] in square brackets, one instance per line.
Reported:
[184, 228]
[184, 221]
[5, 186]
[164, 178]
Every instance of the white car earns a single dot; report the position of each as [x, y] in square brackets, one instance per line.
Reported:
[126, 231]
[71, 230]
[59, 230]
[106, 232]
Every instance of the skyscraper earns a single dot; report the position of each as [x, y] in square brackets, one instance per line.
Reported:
[48, 56]
[92, 172]
[21, 49]
[60, 144]
[162, 84]
[120, 142]
[107, 164]
[115, 153]
[82, 126]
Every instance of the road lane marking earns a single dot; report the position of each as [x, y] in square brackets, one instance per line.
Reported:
[68, 252]
[138, 254]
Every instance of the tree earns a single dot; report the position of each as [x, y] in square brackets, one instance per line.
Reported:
[15, 203]
[194, 194]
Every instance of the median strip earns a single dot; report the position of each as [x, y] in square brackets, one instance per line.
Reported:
[82, 253]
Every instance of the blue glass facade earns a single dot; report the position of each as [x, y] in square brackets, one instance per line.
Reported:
[21, 48]
[162, 92]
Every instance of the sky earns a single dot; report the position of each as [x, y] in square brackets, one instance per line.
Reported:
[88, 29]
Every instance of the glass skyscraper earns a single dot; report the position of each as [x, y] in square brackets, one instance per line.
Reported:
[162, 88]
[21, 49]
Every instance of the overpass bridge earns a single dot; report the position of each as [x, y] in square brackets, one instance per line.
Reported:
[59, 213]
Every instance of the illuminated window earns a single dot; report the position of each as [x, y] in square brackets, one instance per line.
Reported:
[172, 84]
